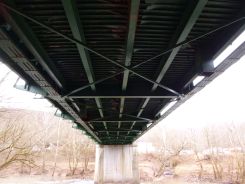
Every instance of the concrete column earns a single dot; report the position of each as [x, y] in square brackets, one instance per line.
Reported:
[116, 164]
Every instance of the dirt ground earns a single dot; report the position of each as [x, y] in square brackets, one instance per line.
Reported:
[14, 175]
[186, 171]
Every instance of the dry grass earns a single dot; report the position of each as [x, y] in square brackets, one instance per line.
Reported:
[187, 171]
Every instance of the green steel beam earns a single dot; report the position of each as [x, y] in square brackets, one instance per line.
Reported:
[133, 18]
[168, 50]
[138, 117]
[202, 65]
[73, 40]
[142, 95]
[31, 88]
[118, 130]
[181, 35]
[117, 136]
[123, 119]
[182, 32]
[77, 31]
[74, 20]
[64, 116]
[31, 41]
[113, 142]
[119, 119]
[233, 58]
[106, 92]
[114, 136]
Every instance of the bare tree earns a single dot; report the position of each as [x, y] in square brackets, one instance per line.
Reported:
[73, 152]
[57, 147]
[88, 152]
[170, 143]
[212, 144]
[14, 149]
[77, 148]
[237, 160]
[44, 136]
[195, 146]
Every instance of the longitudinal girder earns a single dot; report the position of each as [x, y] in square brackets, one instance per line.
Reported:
[112, 66]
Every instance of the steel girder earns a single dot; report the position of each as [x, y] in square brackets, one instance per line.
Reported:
[189, 18]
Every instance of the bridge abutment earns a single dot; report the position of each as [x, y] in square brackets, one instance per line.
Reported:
[116, 164]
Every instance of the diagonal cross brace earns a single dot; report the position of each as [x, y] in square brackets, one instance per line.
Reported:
[113, 75]
[73, 40]
[160, 54]
[77, 31]
[181, 34]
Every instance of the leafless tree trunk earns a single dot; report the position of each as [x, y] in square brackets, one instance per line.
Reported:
[73, 156]
[214, 157]
[44, 150]
[57, 147]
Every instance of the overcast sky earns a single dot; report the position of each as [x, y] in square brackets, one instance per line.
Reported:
[11, 97]
[222, 101]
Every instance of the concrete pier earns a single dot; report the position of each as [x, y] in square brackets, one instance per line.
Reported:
[116, 164]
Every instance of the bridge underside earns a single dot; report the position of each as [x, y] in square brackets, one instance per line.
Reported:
[112, 66]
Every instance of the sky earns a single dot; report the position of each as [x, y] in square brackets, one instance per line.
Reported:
[222, 101]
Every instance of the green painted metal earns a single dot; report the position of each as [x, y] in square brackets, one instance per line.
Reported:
[31, 88]
[119, 120]
[27, 35]
[141, 92]
[119, 130]
[77, 31]
[181, 34]
[142, 95]
[116, 137]
[65, 116]
[72, 14]
[78, 126]
[135, 118]
[133, 18]
[186, 42]
[88, 48]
